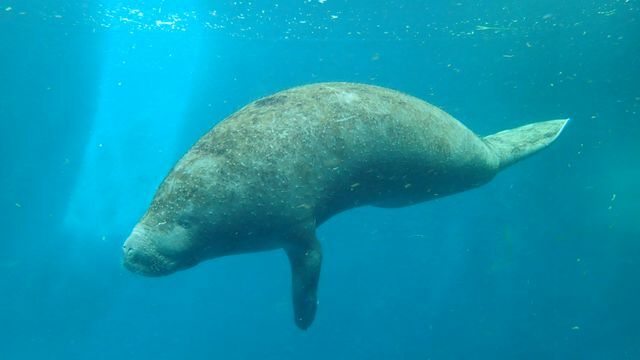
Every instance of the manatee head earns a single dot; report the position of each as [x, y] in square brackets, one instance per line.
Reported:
[174, 232]
[159, 249]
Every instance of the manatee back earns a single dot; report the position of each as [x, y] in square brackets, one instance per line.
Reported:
[319, 149]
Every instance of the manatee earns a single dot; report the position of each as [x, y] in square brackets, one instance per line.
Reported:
[268, 175]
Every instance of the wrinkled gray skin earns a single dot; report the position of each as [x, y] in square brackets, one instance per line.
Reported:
[268, 175]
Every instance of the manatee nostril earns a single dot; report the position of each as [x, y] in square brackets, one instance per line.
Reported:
[127, 249]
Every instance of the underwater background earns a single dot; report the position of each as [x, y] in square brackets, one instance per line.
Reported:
[99, 99]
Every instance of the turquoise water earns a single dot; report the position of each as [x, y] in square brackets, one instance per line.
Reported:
[99, 99]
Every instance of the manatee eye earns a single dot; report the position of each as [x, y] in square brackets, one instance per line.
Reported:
[184, 222]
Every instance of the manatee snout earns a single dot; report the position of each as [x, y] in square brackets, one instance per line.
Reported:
[139, 259]
[142, 255]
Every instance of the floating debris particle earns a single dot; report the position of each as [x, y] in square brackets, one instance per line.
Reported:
[489, 28]
[167, 23]
[613, 198]
[607, 12]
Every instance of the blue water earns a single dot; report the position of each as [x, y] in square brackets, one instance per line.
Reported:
[99, 99]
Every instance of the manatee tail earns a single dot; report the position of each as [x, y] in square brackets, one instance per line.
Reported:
[511, 146]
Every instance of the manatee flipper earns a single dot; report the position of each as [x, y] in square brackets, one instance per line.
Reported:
[305, 256]
[511, 146]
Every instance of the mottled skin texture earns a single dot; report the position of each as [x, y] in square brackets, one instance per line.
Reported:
[268, 175]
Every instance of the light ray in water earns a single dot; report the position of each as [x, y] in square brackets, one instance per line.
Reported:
[132, 143]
